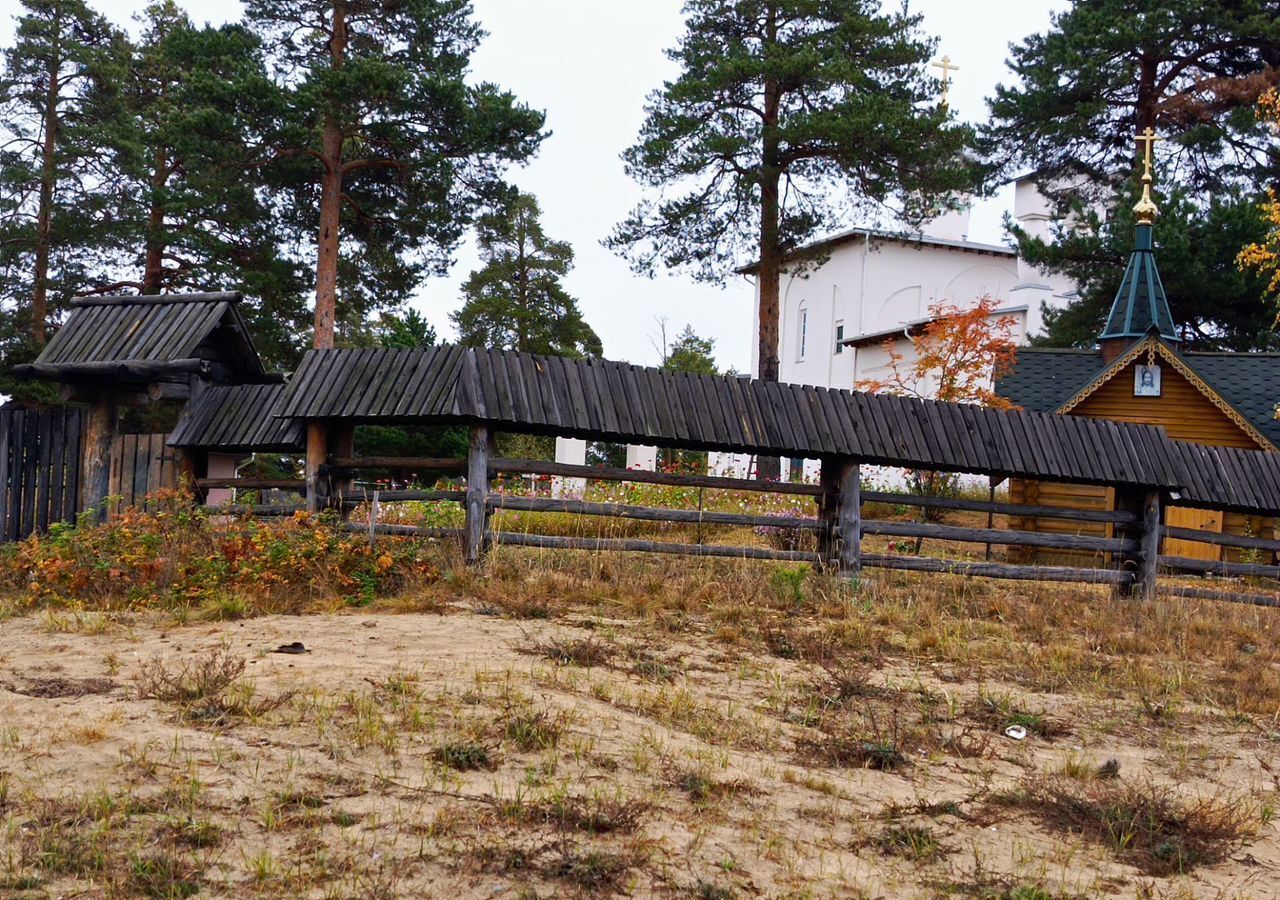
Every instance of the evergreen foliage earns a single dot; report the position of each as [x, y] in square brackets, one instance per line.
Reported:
[787, 117]
[516, 301]
[1104, 72]
[51, 213]
[383, 148]
[690, 354]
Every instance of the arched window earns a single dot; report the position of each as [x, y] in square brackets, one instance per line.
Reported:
[802, 332]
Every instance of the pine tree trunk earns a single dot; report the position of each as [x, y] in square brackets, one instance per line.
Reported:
[770, 274]
[330, 200]
[48, 181]
[153, 269]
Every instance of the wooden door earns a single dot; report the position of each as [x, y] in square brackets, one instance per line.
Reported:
[1197, 520]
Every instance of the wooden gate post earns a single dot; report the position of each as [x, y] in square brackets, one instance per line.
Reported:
[477, 526]
[100, 428]
[317, 454]
[343, 447]
[1144, 563]
[840, 544]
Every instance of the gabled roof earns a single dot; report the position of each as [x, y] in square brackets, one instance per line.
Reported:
[893, 237]
[136, 338]
[1041, 380]
[1245, 386]
[239, 418]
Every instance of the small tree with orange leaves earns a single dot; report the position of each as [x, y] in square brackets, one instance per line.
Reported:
[959, 353]
[1264, 257]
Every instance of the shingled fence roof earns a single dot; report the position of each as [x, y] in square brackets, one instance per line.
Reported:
[139, 337]
[618, 402]
[239, 419]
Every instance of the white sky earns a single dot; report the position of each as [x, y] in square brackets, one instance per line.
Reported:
[590, 64]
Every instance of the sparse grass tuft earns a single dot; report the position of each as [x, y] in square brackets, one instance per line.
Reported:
[915, 842]
[1147, 825]
[585, 652]
[207, 689]
[535, 731]
[463, 757]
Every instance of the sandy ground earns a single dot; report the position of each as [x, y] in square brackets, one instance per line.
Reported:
[676, 767]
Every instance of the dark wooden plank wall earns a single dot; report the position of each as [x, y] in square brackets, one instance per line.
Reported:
[40, 452]
[141, 464]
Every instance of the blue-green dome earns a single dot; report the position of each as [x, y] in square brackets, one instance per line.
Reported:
[1141, 306]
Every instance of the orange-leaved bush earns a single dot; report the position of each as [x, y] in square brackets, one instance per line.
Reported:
[171, 553]
[1264, 256]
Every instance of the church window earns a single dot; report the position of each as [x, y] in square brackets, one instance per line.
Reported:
[839, 338]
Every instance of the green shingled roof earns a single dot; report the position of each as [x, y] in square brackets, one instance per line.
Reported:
[1141, 307]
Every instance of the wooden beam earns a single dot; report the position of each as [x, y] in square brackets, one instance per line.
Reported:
[1001, 509]
[1214, 567]
[403, 496]
[551, 542]
[253, 484]
[1223, 540]
[994, 570]
[841, 503]
[1149, 550]
[101, 423]
[414, 464]
[317, 453]
[998, 536]
[637, 476]
[1223, 596]
[477, 525]
[648, 513]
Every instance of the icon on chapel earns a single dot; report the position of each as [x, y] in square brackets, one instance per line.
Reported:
[1146, 381]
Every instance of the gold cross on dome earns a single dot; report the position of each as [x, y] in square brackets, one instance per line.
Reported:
[947, 68]
[1148, 140]
[1146, 208]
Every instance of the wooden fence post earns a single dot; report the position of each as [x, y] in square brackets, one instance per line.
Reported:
[840, 545]
[99, 432]
[343, 446]
[1149, 553]
[1144, 563]
[477, 526]
[317, 453]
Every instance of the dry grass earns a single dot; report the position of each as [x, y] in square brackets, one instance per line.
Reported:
[1150, 826]
[589, 726]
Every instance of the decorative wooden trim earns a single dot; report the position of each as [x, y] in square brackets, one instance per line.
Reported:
[1165, 352]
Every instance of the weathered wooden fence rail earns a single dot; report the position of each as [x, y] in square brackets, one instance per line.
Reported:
[839, 525]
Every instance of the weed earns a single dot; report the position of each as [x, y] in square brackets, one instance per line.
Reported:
[591, 870]
[463, 757]
[535, 731]
[1146, 824]
[585, 652]
[915, 842]
[207, 689]
[163, 877]
[1001, 711]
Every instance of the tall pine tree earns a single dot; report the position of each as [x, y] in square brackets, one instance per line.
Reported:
[1108, 69]
[50, 139]
[185, 147]
[516, 301]
[787, 117]
[384, 149]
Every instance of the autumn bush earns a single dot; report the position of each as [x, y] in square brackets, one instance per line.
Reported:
[174, 554]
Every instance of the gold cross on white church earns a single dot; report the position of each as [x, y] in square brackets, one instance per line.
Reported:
[947, 68]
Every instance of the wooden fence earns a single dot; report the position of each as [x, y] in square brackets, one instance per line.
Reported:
[141, 464]
[1130, 561]
[40, 452]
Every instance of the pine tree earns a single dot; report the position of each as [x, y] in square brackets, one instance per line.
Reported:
[1215, 305]
[787, 117]
[516, 301]
[384, 149]
[1105, 71]
[184, 147]
[49, 140]
[1108, 69]
[688, 353]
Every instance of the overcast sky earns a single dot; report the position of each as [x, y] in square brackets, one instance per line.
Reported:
[589, 64]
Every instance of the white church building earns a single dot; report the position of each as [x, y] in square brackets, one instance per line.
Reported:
[873, 288]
